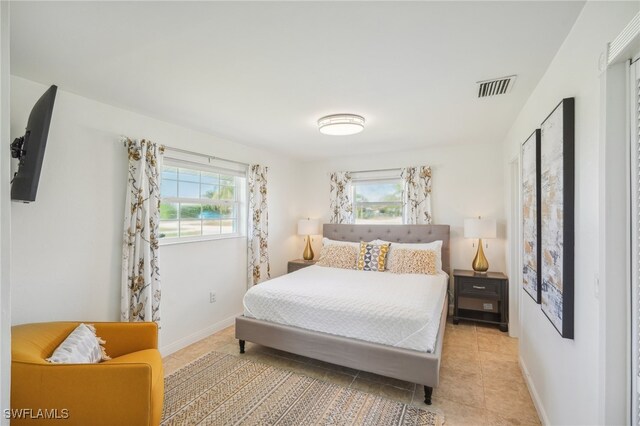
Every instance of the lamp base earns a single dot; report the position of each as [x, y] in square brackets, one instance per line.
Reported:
[480, 263]
[308, 251]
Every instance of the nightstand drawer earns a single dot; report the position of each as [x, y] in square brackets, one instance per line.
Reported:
[479, 287]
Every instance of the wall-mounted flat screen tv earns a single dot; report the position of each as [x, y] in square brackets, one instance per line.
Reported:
[29, 149]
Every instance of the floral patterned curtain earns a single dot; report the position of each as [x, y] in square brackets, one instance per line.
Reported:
[140, 298]
[258, 227]
[340, 202]
[416, 195]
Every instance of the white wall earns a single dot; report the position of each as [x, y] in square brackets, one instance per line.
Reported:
[563, 374]
[5, 216]
[67, 245]
[466, 182]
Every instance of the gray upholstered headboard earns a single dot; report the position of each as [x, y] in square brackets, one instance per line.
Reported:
[392, 233]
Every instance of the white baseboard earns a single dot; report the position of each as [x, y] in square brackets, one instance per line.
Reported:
[198, 335]
[534, 394]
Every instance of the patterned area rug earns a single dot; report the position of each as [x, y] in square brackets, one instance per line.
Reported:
[222, 389]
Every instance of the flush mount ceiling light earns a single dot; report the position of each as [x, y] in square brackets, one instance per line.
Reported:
[341, 124]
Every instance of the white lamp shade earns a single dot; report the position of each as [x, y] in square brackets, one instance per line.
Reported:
[479, 228]
[308, 226]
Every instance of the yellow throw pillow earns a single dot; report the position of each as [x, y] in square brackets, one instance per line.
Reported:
[407, 261]
[338, 256]
[372, 257]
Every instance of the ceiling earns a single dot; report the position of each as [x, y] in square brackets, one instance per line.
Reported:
[262, 73]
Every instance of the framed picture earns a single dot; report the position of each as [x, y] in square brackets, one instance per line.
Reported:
[557, 216]
[531, 247]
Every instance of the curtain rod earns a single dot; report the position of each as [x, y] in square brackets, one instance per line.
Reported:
[378, 170]
[210, 157]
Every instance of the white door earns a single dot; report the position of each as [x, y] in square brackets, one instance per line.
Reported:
[635, 238]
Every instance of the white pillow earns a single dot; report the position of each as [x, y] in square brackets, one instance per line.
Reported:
[82, 346]
[434, 245]
[328, 242]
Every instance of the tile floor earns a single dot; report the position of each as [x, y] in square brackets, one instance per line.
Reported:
[480, 378]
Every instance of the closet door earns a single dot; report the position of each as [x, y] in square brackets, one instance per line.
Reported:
[635, 238]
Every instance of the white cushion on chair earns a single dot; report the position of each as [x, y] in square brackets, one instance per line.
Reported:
[82, 346]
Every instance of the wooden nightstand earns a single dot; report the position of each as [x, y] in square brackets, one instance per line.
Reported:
[294, 265]
[481, 297]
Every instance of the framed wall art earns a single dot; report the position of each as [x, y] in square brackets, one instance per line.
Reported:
[531, 247]
[557, 216]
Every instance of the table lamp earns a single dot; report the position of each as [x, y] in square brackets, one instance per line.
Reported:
[308, 227]
[480, 228]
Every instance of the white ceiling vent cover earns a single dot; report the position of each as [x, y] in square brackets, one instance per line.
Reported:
[497, 86]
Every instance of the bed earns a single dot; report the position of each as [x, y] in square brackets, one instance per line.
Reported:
[311, 313]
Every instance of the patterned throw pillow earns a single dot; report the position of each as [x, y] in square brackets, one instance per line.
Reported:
[434, 245]
[407, 261]
[82, 346]
[372, 257]
[338, 256]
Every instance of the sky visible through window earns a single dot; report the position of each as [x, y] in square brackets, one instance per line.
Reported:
[378, 192]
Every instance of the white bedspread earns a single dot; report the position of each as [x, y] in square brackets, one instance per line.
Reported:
[401, 310]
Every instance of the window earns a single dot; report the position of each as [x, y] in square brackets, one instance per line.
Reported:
[200, 202]
[377, 201]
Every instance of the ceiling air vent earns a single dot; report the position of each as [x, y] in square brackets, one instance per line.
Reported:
[497, 86]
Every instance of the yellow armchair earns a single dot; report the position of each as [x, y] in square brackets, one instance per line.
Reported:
[126, 390]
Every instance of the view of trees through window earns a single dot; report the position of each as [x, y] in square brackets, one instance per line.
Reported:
[378, 201]
[198, 203]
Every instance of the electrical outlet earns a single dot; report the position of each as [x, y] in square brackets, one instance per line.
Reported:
[212, 297]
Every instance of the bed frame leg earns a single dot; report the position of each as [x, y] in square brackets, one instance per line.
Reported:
[241, 342]
[428, 390]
